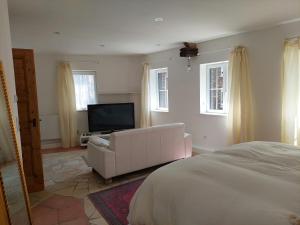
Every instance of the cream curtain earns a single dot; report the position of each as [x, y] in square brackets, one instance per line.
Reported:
[67, 106]
[145, 98]
[290, 123]
[240, 111]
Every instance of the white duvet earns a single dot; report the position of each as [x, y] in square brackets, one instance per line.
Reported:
[255, 183]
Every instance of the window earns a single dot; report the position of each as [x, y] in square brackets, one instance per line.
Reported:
[213, 88]
[85, 89]
[159, 89]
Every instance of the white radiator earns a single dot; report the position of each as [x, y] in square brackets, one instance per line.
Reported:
[49, 126]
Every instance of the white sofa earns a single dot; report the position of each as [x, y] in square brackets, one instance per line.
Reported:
[136, 149]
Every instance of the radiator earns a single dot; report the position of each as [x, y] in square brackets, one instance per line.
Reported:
[49, 126]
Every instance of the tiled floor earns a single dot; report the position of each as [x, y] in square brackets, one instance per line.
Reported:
[56, 150]
[62, 210]
[67, 174]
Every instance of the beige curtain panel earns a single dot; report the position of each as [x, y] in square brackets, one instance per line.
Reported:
[145, 98]
[290, 122]
[67, 106]
[240, 110]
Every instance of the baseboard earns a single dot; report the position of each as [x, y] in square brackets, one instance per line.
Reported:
[200, 149]
[46, 144]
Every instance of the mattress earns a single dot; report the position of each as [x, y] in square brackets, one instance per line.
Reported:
[256, 183]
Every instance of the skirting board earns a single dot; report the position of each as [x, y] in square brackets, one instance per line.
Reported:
[46, 144]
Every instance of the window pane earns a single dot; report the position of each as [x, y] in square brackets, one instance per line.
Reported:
[220, 97]
[162, 81]
[216, 94]
[159, 89]
[213, 86]
[216, 78]
[212, 78]
[216, 99]
[163, 99]
[212, 100]
[166, 82]
[220, 77]
[84, 90]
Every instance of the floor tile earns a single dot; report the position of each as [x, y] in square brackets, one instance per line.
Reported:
[42, 215]
[67, 174]
[98, 221]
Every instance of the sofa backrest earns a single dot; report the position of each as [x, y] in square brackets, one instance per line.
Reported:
[145, 147]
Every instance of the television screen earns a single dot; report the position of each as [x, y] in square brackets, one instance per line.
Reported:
[110, 117]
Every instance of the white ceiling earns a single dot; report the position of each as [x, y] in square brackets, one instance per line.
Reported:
[127, 27]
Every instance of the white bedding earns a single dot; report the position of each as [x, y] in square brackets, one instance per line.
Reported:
[255, 183]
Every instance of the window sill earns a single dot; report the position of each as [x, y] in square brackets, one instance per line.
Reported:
[159, 110]
[214, 114]
[81, 110]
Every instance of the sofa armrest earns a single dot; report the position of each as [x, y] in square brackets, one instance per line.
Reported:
[102, 160]
[188, 145]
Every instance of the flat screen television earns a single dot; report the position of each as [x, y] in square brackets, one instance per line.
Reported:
[110, 117]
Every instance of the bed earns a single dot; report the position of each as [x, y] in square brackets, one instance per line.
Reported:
[256, 183]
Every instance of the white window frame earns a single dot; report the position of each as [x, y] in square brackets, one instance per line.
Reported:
[86, 72]
[154, 90]
[204, 88]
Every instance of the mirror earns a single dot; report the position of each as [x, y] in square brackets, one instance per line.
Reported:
[11, 171]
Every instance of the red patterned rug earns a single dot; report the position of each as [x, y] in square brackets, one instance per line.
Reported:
[113, 203]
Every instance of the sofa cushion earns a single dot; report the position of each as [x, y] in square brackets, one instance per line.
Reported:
[136, 149]
[99, 141]
[140, 148]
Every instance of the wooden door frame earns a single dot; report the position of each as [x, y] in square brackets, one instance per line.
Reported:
[36, 184]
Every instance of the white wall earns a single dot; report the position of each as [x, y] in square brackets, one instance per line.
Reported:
[265, 51]
[118, 80]
[6, 56]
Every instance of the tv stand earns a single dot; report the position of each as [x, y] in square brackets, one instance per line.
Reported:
[84, 137]
[107, 132]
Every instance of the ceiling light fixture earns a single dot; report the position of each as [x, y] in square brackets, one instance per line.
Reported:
[190, 50]
[158, 19]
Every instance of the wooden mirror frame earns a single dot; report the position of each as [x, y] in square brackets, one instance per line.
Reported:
[4, 217]
[3, 84]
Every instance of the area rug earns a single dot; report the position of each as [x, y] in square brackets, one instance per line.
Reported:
[113, 203]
